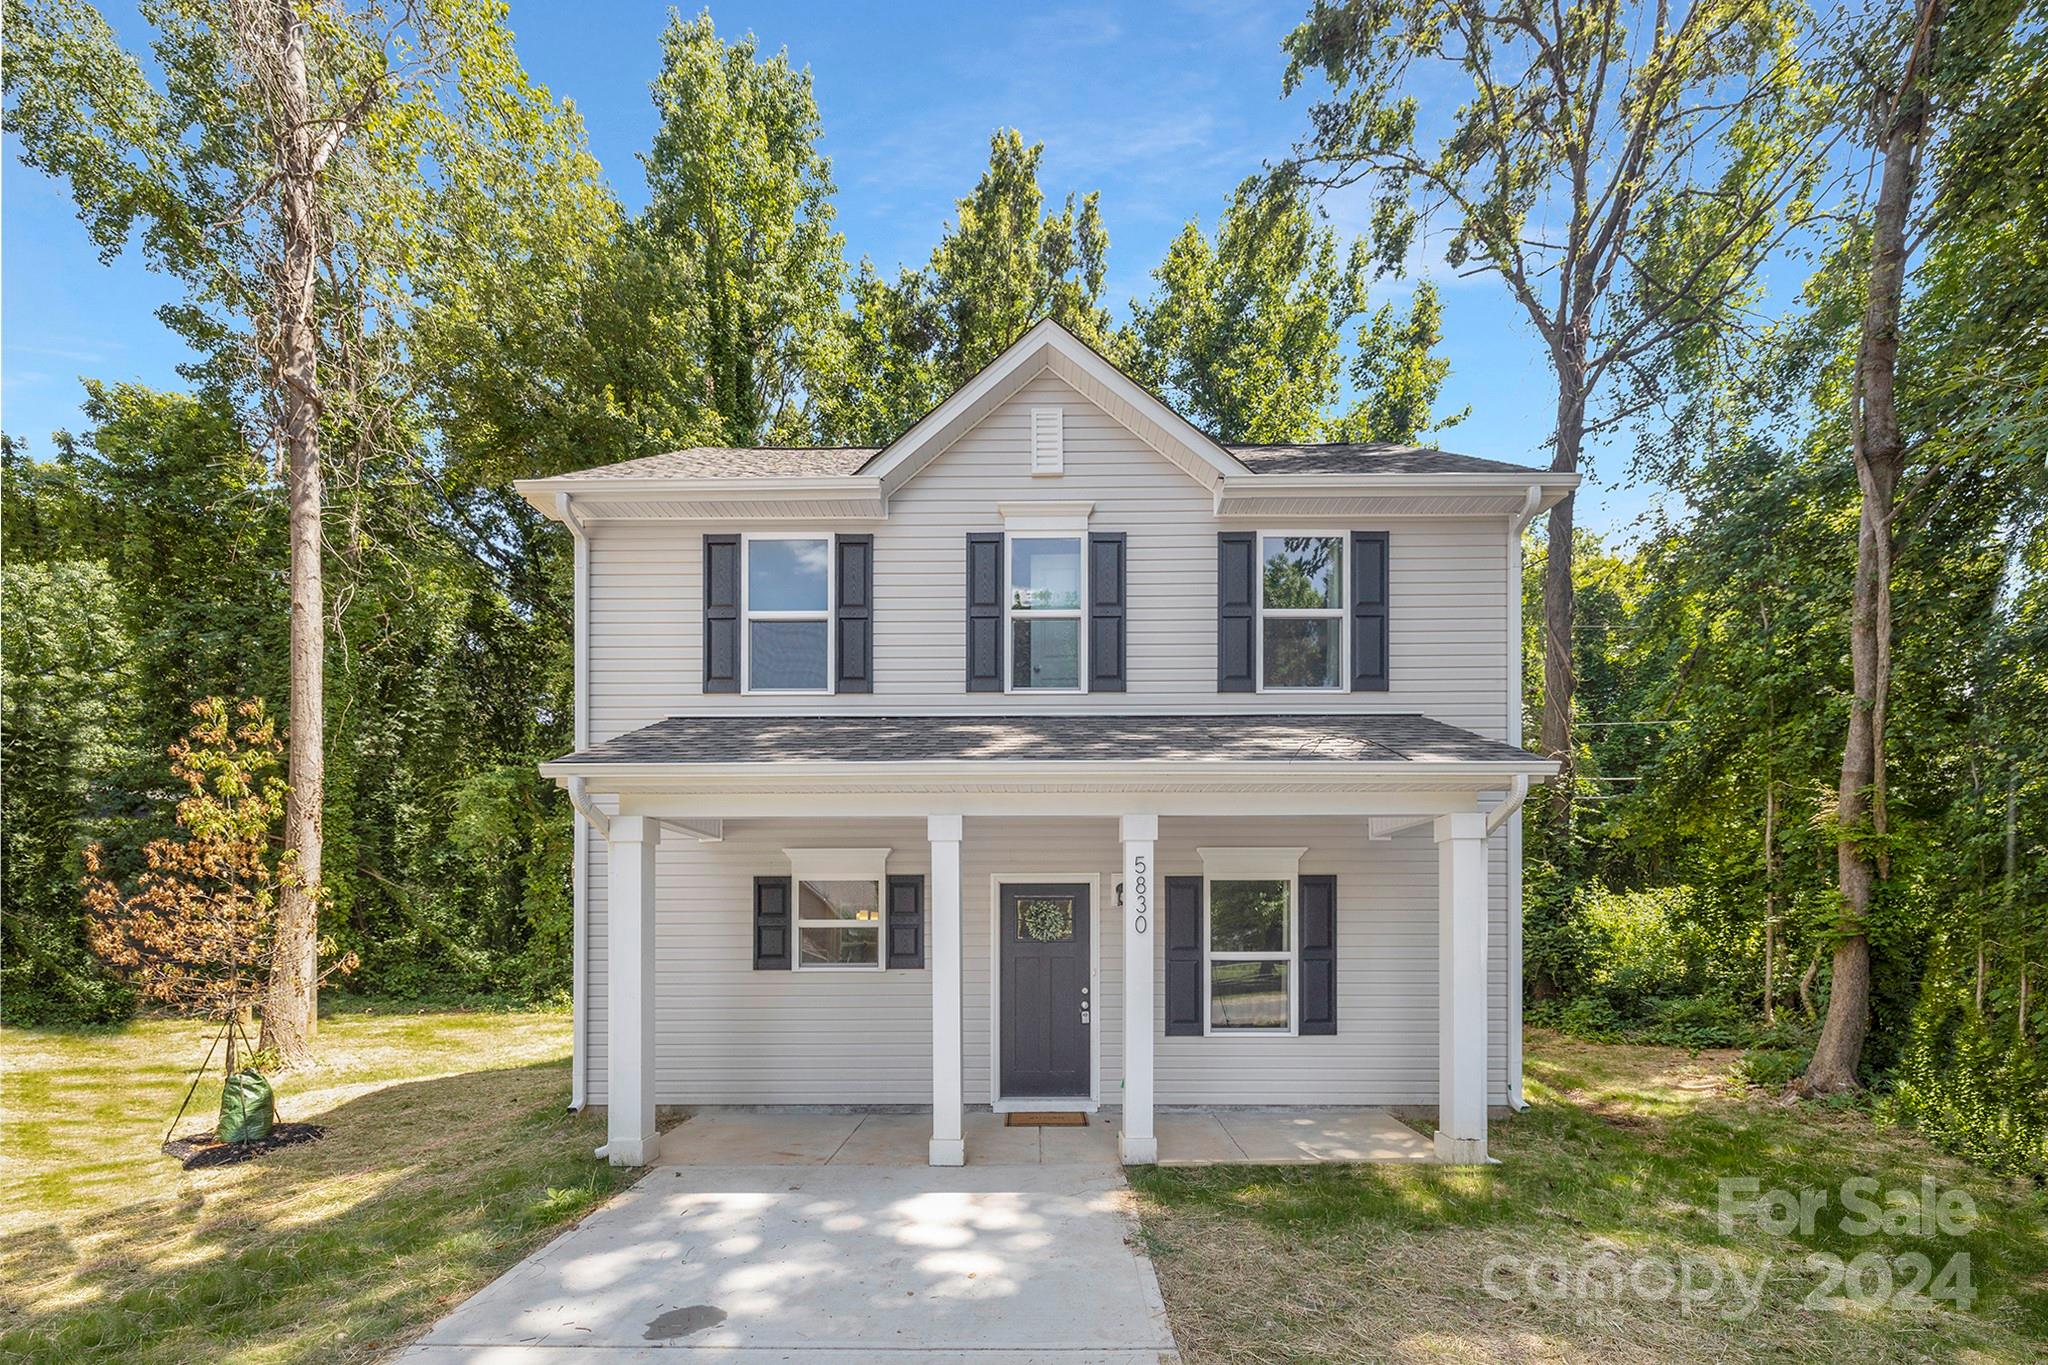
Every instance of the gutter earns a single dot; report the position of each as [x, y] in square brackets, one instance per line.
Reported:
[1508, 809]
[579, 1005]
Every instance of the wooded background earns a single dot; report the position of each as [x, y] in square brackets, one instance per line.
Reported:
[483, 309]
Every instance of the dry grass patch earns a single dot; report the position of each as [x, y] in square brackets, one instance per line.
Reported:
[447, 1157]
[1615, 1166]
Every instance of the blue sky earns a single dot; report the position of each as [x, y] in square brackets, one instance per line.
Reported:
[1162, 107]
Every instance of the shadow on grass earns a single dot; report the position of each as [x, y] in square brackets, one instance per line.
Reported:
[1593, 1165]
[422, 1191]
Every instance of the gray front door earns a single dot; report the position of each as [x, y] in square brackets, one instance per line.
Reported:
[1046, 1008]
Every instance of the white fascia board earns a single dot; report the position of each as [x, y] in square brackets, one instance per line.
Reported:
[984, 775]
[768, 491]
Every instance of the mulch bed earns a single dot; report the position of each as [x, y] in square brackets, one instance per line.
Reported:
[199, 1149]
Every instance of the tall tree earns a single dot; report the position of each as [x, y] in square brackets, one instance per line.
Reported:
[1245, 333]
[1625, 170]
[274, 168]
[739, 191]
[1001, 266]
[1907, 102]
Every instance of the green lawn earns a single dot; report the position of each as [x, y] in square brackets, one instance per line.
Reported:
[1611, 1177]
[448, 1156]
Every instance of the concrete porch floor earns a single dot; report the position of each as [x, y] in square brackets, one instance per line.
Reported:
[1193, 1137]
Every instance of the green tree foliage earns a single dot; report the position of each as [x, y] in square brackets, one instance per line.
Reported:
[1002, 265]
[1624, 170]
[67, 712]
[741, 206]
[1245, 333]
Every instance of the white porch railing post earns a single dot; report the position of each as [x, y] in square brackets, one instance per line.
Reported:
[1138, 1146]
[629, 986]
[948, 1148]
[1461, 988]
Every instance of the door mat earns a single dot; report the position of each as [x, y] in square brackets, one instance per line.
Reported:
[1038, 1118]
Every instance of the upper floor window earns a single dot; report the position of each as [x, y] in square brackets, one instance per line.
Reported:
[1301, 611]
[1045, 613]
[788, 611]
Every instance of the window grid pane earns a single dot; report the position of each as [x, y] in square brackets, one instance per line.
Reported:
[1303, 651]
[1045, 652]
[1303, 573]
[786, 656]
[1248, 917]
[1045, 574]
[788, 575]
[839, 945]
[1250, 994]
[831, 901]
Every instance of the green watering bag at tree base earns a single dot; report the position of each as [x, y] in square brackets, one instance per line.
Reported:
[246, 1108]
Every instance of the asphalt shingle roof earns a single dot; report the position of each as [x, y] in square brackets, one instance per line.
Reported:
[797, 462]
[1366, 457]
[1375, 738]
[734, 462]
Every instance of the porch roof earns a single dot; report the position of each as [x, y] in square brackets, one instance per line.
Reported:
[1383, 740]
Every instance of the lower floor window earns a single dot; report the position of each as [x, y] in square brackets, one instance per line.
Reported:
[1250, 959]
[839, 923]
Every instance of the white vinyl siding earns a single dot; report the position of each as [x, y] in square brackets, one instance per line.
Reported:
[1448, 613]
[727, 1034]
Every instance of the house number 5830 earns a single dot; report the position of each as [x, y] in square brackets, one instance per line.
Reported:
[1141, 893]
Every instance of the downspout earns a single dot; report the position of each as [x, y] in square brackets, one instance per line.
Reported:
[1506, 812]
[579, 1007]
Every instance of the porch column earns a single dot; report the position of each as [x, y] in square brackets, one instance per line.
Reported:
[629, 990]
[948, 1148]
[1138, 1146]
[1461, 988]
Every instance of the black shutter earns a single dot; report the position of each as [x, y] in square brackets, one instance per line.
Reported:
[906, 921]
[1237, 579]
[1183, 956]
[772, 924]
[1318, 955]
[985, 612]
[1369, 611]
[1106, 552]
[721, 613]
[852, 613]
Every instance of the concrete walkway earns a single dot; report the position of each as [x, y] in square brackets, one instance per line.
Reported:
[830, 1262]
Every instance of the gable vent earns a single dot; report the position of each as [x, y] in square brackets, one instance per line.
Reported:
[1048, 441]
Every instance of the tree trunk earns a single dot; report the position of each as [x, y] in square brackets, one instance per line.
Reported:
[291, 1010]
[1879, 449]
[1555, 733]
[1770, 902]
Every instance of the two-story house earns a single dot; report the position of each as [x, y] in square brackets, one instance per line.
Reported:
[1052, 756]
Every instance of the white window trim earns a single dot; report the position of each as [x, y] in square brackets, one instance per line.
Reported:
[837, 865]
[1342, 612]
[1244, 865]
[748, 615]
[1046, 521]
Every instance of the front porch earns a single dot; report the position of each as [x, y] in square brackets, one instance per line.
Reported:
[1187, 1137]
[1085, 852]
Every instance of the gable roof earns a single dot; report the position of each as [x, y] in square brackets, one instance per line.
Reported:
[824, 462]
[1050, 348]
[1347, 478]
